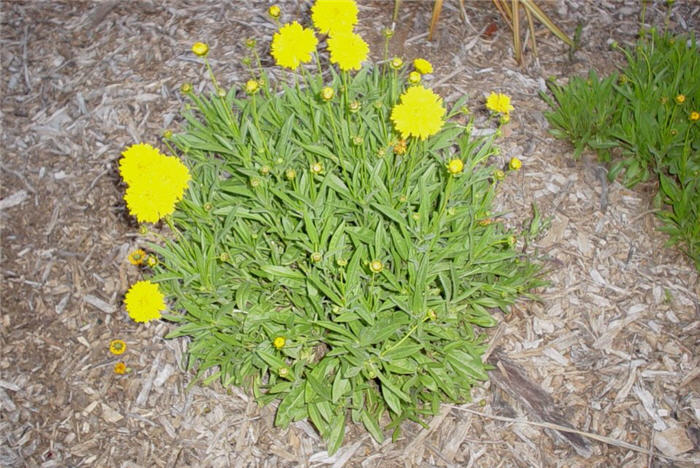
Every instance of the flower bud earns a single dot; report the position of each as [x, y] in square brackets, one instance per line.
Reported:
[290, 174]
[354, 106]
[515, 164]
[200, 49]
[455, 166]
[252, 86]
[186, 88]
[316, 257]
[396, 63]
[414, 77]
[375, 266]
[274, 11]
[327, 93]
[316, 168]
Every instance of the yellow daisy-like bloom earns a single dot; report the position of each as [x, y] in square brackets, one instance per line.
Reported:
[117, 347]
[279, 342]
[293, 45]
[694, 116]
[200, 49]
[144, 302]
[137, 257]
[156, 182]
[455, 166]
[334, 16]
[422, 66]
[120, 368]
[420, 113]
[498, 102]
[515, 164]
[348, 50]
[680, 99]
[375, 266]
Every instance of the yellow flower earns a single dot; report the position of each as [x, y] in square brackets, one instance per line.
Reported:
[375, 266]
[422, 66]
[293, 45]
[144, 301]
[400, 147]
[274, 11]
[252, 86]
[327, 93]
[334, 16]
[694, 116]
[279, 342]
[396, 63]
[419, 114]
[120, 368]
[455, 166]
[348, 50]
[515, 164]
[316, 168]
[151, 261]
[498, 102]
[414, 77]
[137, 257]
[200, 49]
[117, 347]
[155, 182]
[186, 88]
[680, 99]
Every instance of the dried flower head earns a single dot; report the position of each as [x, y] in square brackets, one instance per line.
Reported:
[144, 302]
[117, 347]
[334, 16]
[120, 368]
[200, 49]
[400, 147]
[137, 257]
[293, 45]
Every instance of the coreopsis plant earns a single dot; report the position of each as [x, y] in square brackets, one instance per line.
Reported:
[330, 253]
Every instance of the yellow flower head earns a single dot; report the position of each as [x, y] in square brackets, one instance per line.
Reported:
[455, 166]
[515, 164]
[422, 66]
[144, 301]
[419, 114]
[334, 16]
[400, 147]
[396, 63]
[151, 261]
[117, 347]
[375, 266]
[274, 11]
[327, 93]
[498, 102]
[293, 45]
[137, 257]
[200, 49]
[252, 86]
[680, 99]
[279, 342]
[348, 50]
[120, 368]
[694, 116]
[414, 77]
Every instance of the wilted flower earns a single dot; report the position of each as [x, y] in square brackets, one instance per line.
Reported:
[137, 257]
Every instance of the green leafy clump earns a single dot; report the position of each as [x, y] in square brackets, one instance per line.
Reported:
[325, 263]
[649, 114]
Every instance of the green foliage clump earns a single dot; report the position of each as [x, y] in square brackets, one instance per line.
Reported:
[649, 115]
[325, 263]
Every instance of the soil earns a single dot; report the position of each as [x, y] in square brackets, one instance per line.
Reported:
[612, 345]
